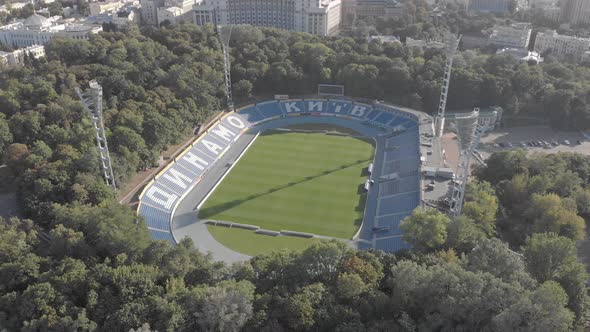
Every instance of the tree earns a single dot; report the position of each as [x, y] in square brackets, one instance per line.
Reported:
[548, 254]
[494, 256]
[242, 89]
[549, 213]
[464, 234]
[481, 205]
[5, 135]
[543, 309]
[425, 229]
[16, 154]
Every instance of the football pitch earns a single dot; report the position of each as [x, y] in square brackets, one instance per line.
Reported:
[306, 182]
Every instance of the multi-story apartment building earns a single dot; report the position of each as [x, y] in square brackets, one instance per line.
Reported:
[489, 6]
[175, 11]
[99, 7]
[17, 57]
[372, 8]
[575, 11]
[319, 17]
[516, 35]
[39, 30]
[149, 11]
[561, 45]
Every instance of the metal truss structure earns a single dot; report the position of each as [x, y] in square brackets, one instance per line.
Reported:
[92, 100]
[469, 130]
[224, 34]
[452, 45]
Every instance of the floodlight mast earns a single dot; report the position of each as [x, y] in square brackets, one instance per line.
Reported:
[452, 45]
[92, 101]
[469, 132]
[224, 39]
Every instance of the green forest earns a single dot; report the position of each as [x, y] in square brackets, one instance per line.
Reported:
[79, 261]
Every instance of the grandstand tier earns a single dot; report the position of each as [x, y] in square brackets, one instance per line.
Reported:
[396, 196]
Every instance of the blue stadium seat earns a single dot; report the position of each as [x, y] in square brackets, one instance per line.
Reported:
[393, 222]
[155, 218]
[399, 203]
[384, 118]
[251, 114]
[405, 151]
[372, 114]
[392, 244]
[159, 235]
[345, 107]
[269, 109]
[298, 107]
[176, 177]
[400, 165]
[402, 185]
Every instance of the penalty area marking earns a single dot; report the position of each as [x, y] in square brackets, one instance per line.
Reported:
[227, 172]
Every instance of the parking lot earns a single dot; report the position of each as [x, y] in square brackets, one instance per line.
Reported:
[535, 138]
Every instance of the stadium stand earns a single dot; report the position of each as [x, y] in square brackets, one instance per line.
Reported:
[399, 203]
[270, 109]
[395, 196]
[391, 244]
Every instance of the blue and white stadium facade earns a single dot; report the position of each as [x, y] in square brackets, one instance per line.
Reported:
[396, 176]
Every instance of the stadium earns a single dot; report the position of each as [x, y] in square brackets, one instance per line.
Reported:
[255, 175]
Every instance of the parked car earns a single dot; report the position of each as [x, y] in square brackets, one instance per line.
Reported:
[509, 144]
[502, 145]
[555, 143]
[566, 142]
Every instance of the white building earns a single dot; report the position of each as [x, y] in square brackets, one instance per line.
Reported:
[17, 57]
[100, 7]
[39, 30]
[124, 18]
[175, 11]
[149, 11]
[319, 17]
[521, 54]
[516, 35]
[575, 11]
[561, 45]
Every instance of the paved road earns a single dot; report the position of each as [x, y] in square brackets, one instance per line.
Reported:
[186, 223]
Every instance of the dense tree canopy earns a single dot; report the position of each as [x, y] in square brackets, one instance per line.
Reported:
[87, 263]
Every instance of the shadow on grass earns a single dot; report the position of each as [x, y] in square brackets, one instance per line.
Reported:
[206, 213]
[360, 208]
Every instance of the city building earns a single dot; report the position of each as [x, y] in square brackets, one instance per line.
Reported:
[125, 17]
[474, 40]
[560, 45]
[149, 11]
[516, 35]
[39, 30]
[371, 8]
[100, 7]
[521, 54]
[319, 17]
[575, 11]
[175, 11]
[490, 6]
[17, 57]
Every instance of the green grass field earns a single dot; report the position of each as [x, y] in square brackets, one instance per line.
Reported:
[250, 243]
[295, 181]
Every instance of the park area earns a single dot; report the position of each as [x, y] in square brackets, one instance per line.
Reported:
[304, 182]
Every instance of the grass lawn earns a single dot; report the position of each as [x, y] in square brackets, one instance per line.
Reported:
[295, 181]
[250, 243]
